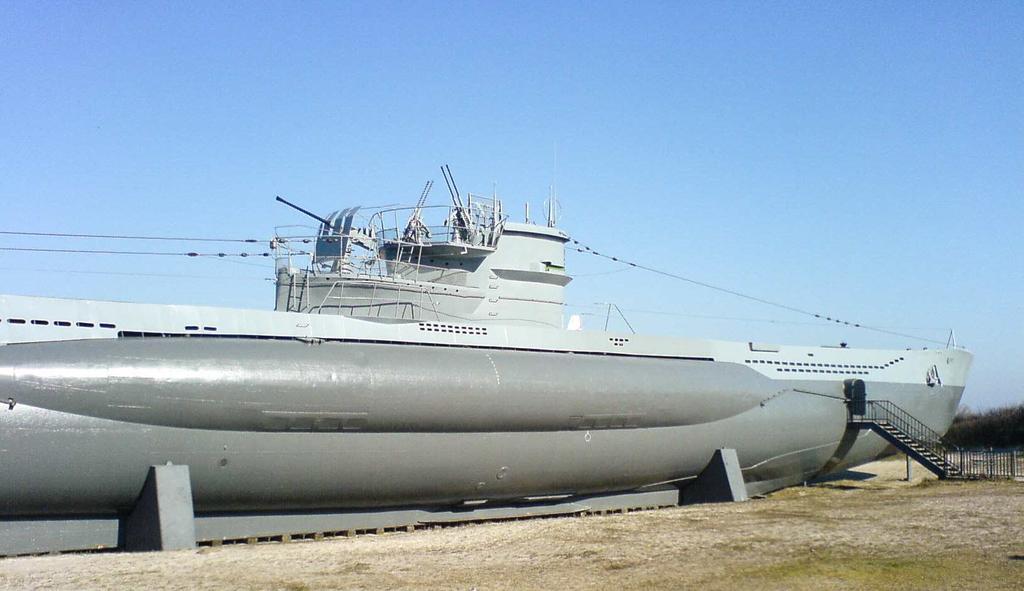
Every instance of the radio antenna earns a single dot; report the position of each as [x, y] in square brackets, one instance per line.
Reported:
[553, 192]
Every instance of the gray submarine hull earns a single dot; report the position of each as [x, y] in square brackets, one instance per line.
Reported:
[291, 425]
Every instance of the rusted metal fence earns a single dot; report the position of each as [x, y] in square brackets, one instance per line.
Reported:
[987, 463]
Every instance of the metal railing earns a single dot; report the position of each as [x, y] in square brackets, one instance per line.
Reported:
[391, 236]
[987, 463]
[952, 461]
[886, 412]
[413, 304]
[477, 224]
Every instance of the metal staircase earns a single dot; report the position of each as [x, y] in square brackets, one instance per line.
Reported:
[907, 434]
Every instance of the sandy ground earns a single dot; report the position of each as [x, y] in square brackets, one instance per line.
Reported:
[858, 533]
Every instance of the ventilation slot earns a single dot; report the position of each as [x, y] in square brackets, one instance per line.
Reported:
[452, 328]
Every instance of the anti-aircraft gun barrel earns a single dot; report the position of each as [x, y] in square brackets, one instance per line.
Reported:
[309, 213]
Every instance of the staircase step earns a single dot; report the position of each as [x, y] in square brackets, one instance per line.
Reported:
[913, 437]
[923, 448]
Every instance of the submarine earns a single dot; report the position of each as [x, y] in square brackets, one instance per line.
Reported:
[416, 366]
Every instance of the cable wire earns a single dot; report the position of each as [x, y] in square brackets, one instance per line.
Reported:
[134, 274]
[583, 248]
[138, 252]
[128, 237]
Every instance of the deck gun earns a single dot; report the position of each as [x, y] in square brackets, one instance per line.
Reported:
[334, 241]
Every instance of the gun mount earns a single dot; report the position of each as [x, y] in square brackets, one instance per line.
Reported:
[464, 261]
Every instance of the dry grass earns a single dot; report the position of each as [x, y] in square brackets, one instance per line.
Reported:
[845, 534]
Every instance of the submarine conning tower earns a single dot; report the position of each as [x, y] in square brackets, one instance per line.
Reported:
[463, 263]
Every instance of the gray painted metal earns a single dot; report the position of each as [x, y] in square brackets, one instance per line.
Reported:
[519, 282]
[461, 387]
[288, 386]
[30, 536]
[162, 518]
[35, 535]
[268, 524]
[95, 465]
[720, 482]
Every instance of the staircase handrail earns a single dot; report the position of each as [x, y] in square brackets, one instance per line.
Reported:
[886, 410]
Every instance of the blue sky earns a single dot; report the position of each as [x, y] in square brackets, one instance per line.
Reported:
[861, 159]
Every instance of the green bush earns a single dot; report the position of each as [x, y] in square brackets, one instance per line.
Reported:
[1000, 428]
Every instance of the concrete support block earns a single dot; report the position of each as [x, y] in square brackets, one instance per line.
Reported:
[720, 482]
[162, 518]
